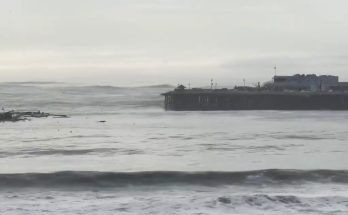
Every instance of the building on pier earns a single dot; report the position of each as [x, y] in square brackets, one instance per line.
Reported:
[297, 92]
[305, 82]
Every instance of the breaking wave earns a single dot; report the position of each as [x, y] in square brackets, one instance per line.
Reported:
[30, 83]
[120, 179]
[66, 99]
[298, 204]
[108, 88]
[158, 86]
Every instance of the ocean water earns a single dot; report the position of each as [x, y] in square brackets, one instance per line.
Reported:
[145, 160]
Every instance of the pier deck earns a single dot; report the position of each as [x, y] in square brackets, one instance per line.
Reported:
[206, 99]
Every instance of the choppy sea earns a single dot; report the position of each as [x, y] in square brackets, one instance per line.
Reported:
[120, 152]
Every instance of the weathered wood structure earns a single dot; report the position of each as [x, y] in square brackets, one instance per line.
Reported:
[15, 116]
[224, 99]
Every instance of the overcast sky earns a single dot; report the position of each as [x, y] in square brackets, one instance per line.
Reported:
[125, 42]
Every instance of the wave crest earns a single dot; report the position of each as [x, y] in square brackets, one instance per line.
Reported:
[118, 179]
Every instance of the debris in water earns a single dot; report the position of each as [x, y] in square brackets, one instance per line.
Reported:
[14, 116]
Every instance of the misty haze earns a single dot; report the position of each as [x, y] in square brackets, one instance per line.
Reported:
[173, 107]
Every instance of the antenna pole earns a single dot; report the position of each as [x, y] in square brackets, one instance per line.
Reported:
[275, 70]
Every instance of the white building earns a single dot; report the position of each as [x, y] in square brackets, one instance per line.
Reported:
[305, 82]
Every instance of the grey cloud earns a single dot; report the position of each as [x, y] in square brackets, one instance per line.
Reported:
[172, 39]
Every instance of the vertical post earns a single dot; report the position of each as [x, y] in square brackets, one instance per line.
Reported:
[166, 102]
[275, 70]
[275, 74]
[211, 83]
[321, 85]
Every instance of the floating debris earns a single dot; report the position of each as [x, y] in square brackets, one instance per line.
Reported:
[14, 116]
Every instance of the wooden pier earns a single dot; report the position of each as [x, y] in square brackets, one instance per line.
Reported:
[224, 99]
